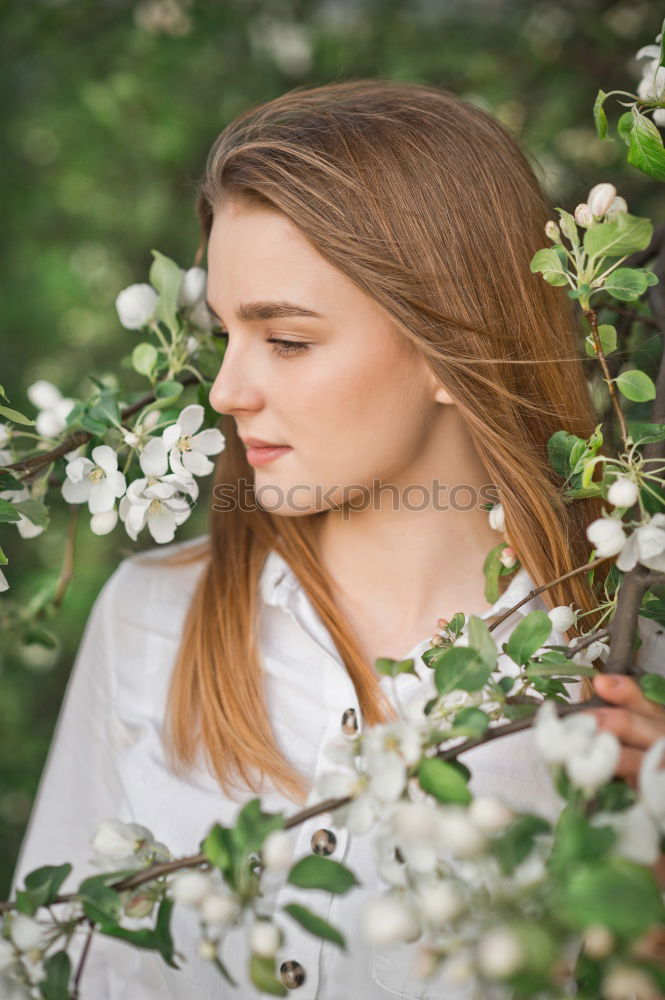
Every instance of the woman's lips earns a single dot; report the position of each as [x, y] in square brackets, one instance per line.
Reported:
[261, 456]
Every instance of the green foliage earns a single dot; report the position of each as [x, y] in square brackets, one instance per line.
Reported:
[613, 891]
[460, 669]
[391, 668]
[315, 924]
[518, 840]
[443, 780]
[316, 872]
[528, 636]
[653, 687]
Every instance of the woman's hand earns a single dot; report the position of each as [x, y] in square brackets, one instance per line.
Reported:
[636, 721]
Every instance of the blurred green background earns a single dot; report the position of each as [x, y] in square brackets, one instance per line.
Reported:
[109, 109]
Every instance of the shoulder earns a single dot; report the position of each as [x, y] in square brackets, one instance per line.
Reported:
[151, 590]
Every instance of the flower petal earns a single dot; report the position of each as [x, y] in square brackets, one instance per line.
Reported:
[191, 419]
[105, 458]
[210, 441]
[196, 463]
[153, 459]
[102, 497]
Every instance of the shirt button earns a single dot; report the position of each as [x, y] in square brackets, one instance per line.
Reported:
[350, 722]
[292, 974]
[324, 842]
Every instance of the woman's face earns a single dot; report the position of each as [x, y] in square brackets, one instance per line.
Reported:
[347, 396]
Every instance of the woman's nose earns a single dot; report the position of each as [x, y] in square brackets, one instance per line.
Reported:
[234, 388]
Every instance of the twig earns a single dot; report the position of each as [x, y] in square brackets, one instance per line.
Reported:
[84, 955]
[593, 323]
[67, 571]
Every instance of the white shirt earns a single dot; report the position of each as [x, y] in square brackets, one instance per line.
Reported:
[106, 761]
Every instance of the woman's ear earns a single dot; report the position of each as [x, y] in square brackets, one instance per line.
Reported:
[441, 394]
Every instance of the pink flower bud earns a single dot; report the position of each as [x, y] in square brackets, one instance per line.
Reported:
[600, 198]
[583, 215]
[507, 557]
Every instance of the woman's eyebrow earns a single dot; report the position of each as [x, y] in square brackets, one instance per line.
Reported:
[249, 312]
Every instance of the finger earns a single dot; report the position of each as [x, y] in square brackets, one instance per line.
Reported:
[620, 689]
[630, 728]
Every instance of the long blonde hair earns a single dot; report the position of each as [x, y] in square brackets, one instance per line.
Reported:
[426, 202]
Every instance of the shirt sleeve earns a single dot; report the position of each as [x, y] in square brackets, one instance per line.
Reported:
[80, 784]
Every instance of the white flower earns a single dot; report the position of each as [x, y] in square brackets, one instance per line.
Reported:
[440, 902]
[562, 617]
[652, 781]
[277, 850]
[598, 649]
[26, 528]
[557, 739]
[117, 840]
[600, 198]
[596, 765]
[489, 814]
[499, 953]
[618, 207]
[53, 408]
[187, 449]
[651, 87]
[139, 905]
[389, 920]
[7, 954]
[645, 545]
[401, 738]
[264, 938]
[624, 982]
[606, 535]
[29, 934]
[4, 583]
[207, 950]
[193, 287]
[457, 832]
[191, 888]
[623, 492]
[553, 233]
[157, 499]
[638, 838]
[583, 215]
[136, 305]
[507, 557]
[218, 908]
[497, 518]
[97, 481]
[103, 523]
[598, 940]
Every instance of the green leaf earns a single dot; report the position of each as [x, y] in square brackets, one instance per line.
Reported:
[528, 636]
[644, 432]
[314, 924]
[614, 891]
[57, 969]
[645, 146]
[599, 116]
[8, 511]
[492, 567]
[443, 780]
[262, 972]
[35, 511]
[144, 358]
[625, 235]
[518, 840]
[316, 872]
[480, 639]
[168, 390]
[460, 669]
[470, 722]
[653, 687]
[575, 840]
[626, 284]
[636, 385]
[548, 263]
[218, 849]
[391, 668]
[163, 938]
[560, 448]
[15, 416]
[252, 826]
[3, 558]
[41, 887]
[166, 276]
[39, 636]
[608, 342]
[9, 482]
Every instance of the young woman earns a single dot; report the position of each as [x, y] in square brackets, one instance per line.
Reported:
[392, 365]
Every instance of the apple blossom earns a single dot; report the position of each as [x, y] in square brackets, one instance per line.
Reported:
[104, 522]
[96, 481]
[507, 557]
[7, 954]
[562, 617]
[29, 934]
[193, 286]
[277, 850]
[489, 814]
[24, 525]
[440, 902]
[618, 207]
[596, 765]
[264, 938]
[497, 518]
[157, 499]
[606, 535]
[190, 888]
[556, 738]
[499, 953]
[652, 781]
[188, 450]
[116, 840]
[136, 305]
[53, 408]
[458, 833]
[583, 215]
[651, 87]
[218, 908]
[552, 231]
[623, 492]
[645, 545]
[600, 198]
[4, 583]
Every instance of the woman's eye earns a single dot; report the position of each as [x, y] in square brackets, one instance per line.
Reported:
[284, 348]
